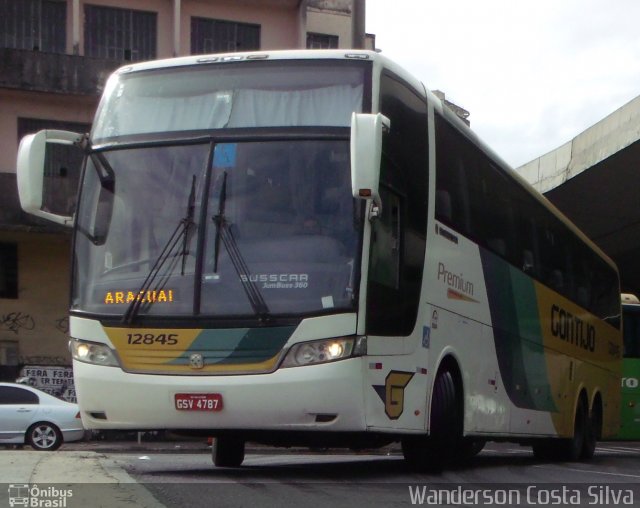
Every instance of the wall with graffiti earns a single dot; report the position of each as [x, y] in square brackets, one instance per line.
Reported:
[57, 381]
[34, 328]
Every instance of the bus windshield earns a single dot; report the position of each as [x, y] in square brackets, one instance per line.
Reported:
[254, 228]
[631, 329]
[260, 94]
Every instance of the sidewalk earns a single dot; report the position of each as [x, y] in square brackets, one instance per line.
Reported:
[70, 479]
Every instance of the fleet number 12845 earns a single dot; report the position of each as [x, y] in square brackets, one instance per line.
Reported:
[149, 339]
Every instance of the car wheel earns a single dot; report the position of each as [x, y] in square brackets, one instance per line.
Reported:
[44, 436]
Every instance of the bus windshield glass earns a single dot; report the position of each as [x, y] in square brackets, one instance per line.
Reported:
[254, 228]
[631, 329]
[228, 96]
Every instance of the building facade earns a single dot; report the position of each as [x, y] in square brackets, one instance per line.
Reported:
[55, 56]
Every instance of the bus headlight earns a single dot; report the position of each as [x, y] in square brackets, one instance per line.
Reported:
[91, 352]
[323, 351]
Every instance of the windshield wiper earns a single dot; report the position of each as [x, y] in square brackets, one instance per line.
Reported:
[180, 233]
[223, 232]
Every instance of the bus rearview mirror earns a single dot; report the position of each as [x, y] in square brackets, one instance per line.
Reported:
[366, 155]
[31, 172]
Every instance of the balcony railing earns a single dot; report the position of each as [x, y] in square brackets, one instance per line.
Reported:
[53, 72]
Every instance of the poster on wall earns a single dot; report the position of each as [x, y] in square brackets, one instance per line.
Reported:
[54, 380]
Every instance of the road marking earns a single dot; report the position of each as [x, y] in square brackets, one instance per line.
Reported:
[589, 471]
[501, 452]
[618, 449]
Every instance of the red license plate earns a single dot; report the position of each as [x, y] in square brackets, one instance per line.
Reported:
[198, 401]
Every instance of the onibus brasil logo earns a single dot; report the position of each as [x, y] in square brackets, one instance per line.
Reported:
[23, 494]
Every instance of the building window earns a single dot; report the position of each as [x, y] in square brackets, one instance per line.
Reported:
[63, 164]
[9, 360]
[322, 41]
[217, 36]
[119, 34]
[37, 25]
[8, 270]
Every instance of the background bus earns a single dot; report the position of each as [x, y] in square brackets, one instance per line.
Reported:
[630, 416]
[308, 248]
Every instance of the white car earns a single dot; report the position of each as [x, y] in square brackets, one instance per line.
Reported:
[28, 415]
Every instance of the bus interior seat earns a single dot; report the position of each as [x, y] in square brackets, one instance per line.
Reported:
[583, 297]
[527, 262]
[306, 248]
[557, 280]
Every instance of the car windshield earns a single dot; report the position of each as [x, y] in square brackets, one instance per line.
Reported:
[252, 228]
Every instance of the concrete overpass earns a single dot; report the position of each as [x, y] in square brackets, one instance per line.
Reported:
[595, 180]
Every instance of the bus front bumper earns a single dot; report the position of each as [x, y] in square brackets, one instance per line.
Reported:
[320, 397]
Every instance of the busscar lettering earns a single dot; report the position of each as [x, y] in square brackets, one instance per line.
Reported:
[275, 277]
[151, 296]
[277, 280]
[572, 329]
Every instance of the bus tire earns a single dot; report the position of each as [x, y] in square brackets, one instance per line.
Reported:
[469, 448]
[227, 452]
[592, 432]
[434, 452]
[574, 446]
[569, 449]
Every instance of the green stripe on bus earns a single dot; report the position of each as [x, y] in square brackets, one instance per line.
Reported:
[237, 345]
[518, 338]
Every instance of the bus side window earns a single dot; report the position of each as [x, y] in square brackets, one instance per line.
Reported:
[556, 280]
[443, 206]
[527, 262]
[385, 245]
[453, 163]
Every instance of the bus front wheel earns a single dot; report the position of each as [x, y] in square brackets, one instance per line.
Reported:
[227, 451]
[441, 447]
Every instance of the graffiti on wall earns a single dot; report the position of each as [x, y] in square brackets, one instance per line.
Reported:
[62, 325]
[16, 321]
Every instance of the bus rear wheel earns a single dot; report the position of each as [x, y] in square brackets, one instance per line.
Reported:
[227, 451]
[592, 433]
[570, 449]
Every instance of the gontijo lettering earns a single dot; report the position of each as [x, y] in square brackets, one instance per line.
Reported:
[572, 329]
[155, 296]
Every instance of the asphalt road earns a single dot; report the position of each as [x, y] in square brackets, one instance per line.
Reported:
[503, 474]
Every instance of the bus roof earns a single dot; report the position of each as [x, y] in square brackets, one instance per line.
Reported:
[253, 56]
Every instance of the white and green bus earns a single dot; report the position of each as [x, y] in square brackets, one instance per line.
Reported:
[630, 410]
[308, 248]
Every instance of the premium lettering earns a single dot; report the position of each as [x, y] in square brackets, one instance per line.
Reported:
[455, 281]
